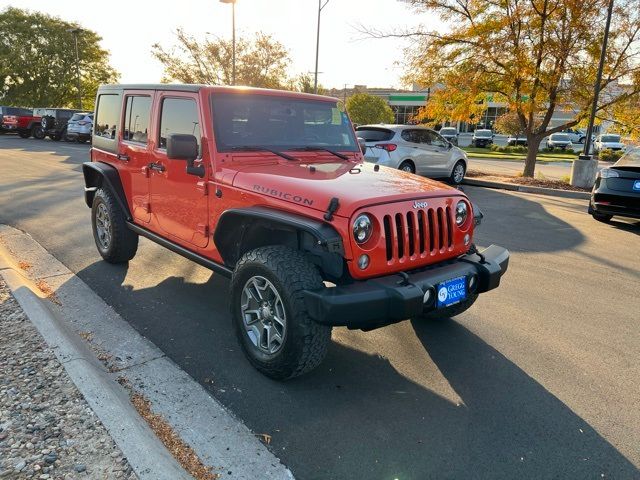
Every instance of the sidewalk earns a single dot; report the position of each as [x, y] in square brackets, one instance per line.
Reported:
[550, 170]
[47, 429]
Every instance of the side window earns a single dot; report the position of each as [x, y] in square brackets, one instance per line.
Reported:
[435, 139]
[136, 119]
[179, 115]
[107, 116]
[410, 136]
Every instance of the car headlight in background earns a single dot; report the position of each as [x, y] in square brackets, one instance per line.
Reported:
[362, 228]
[608, 173]
[462, 212]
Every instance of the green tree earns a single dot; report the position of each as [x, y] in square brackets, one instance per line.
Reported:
[364, 108]
[38, 61]
[260, 62]
[537, 56]
[304, 83]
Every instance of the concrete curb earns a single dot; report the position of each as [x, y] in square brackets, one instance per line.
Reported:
[220, 439]
[145, 453]
[527, 189]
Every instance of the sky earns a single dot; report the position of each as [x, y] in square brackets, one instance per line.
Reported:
[129, 28]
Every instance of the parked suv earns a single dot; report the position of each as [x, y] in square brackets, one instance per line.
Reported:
[79, 127]
[54, 121]
[450, 134]
[270, 188]
[413, 149]
[482, 138]
[558, 140]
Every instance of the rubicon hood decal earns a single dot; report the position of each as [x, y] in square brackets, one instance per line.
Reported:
[274, 192]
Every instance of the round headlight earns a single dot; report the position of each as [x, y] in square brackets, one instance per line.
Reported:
[462, 211]
[362, 228]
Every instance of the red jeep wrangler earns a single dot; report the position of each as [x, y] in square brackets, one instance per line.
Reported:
[270, 188]
[20, 120]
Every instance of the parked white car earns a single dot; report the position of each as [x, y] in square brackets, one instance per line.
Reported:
[559, 140]
[413, 149]
[608, 141]
[79, 127]
[576, 136]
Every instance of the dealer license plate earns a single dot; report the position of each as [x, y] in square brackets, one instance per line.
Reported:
[636, 185]
[452, 291]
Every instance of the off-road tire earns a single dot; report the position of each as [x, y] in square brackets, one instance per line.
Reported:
[24, 133]
[124, 242]
[407, 164]
[55, 137]
[38, 133]
[305, 341]
[452, 311]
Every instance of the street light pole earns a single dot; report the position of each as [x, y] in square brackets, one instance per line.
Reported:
[584, 169]
[233, 41]
[315, 78]
[75, 32]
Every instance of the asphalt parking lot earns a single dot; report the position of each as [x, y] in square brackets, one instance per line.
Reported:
[538, 380]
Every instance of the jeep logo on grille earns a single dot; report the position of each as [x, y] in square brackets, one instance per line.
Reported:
[418, 204]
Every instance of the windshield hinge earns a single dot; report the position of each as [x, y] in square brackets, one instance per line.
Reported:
[331, 209]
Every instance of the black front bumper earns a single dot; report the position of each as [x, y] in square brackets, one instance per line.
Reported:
[381, 301]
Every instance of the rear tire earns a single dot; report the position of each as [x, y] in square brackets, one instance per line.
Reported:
[37, 132]
[452, 311]
[407, 166]
[601, 217]
[24, 133]
[114, 240]
[275, 330]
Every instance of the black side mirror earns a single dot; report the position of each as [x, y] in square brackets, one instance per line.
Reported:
[184, 147]
[363, 145]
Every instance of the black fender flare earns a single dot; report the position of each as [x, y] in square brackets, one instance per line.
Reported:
[242, 229]
[100, 174]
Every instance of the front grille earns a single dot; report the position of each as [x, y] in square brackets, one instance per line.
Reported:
[418, 233]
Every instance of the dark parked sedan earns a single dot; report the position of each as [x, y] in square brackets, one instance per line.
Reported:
[617, 189]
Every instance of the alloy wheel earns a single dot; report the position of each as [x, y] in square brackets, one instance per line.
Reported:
[263, 315]
[103, 226]
[458, 173]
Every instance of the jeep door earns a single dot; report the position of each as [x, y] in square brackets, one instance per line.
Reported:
[134, 150]
[178, 199]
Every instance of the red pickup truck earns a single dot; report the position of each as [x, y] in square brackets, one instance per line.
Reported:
[20, 120]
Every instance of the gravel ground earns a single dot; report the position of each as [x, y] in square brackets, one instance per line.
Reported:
[47, 429]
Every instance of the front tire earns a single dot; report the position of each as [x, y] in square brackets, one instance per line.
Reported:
[270, 316]
[457, 174]
[115, 241]
[452, 311]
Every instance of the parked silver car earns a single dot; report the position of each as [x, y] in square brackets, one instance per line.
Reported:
[559, 140]
[80, 126]
[413, 149]
[608, 141]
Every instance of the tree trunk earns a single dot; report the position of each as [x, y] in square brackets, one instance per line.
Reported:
[533, 145]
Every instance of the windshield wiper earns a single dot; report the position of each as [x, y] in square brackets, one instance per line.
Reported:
[258, 148]
[323, 149]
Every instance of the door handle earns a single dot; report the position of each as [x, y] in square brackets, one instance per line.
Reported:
[157, 167]
[123, 157]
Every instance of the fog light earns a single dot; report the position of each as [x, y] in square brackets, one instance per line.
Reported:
[467, 239]
[363, 262]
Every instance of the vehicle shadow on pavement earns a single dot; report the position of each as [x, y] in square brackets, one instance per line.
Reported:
[521, 224]
[357, 416]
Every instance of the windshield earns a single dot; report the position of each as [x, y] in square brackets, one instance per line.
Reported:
[483, 133]
[561, 137]
[77, 117]
[610, 138]
[281, 123]
[629, 159]
[374, 134]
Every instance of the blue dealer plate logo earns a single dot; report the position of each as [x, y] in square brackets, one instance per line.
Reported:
[452, 291]
[636, 185]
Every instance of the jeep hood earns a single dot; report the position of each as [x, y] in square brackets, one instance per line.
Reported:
[356, 185]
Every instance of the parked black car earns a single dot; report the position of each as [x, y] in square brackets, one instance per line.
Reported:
[617, 189]
[54, 121]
